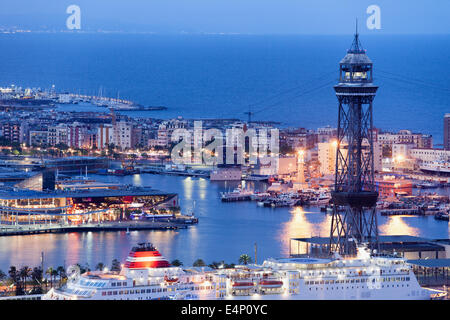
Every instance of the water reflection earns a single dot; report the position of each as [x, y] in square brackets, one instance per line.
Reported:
[397, 225]
[225, 230]
[304, 223]
[188, 185]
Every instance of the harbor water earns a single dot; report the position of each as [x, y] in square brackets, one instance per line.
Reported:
[284, 78]
[224, 232]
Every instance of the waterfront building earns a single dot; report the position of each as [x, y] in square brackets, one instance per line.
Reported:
[408, 247]
[12, 132]
[57, 134]
[76, 135]
[391, 187]
[325, 134]
[122, 134]
[31, 207]
[327, 157]
[286, 166]
[75, 165]
[419, 140]
[226, 172]
[432, 160]
[447, 131]
[105, 135]
[297, 138]
[163, 136]
[136, 137]
[430, 155]
[38, 138]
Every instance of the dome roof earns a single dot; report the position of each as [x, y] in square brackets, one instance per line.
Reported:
[356, 58]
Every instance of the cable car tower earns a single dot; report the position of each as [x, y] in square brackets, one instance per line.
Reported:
[354, 196]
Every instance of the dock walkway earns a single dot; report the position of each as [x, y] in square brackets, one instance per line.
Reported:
[94, 227]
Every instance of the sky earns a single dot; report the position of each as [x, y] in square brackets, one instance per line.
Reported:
[231, 16]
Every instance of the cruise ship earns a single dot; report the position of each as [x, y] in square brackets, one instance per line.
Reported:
[147, 275]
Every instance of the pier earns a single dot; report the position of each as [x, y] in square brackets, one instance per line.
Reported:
[398, 212]
[93, 227]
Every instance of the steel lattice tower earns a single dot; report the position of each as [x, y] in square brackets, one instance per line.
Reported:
[354, 196]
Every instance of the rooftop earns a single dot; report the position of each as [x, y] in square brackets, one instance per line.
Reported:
[30, 194]
[382, 239]
[431, 263]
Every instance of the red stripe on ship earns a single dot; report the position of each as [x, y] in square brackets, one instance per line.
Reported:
[147, 264]
[140, 254]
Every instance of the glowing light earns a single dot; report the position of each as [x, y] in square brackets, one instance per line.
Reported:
[334, 143]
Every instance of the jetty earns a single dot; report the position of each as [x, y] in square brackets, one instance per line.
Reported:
[94, 227]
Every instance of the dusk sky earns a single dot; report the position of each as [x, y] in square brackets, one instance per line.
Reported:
[231, 16]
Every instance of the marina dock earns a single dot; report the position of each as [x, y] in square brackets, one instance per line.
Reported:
[397, 212]
[93, 227]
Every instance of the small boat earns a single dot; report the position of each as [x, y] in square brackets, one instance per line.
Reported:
[428, 185]
[322, 199]
[170, 280]
[270, 283]
[236, 195]
[243, 285]
[441, 216]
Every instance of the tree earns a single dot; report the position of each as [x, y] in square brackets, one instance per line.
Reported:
[229, 266]
[61, 273]
[100, 266]
[245, 259]
[36, 277]
[15, 278]
[214, 265]
[115, 265]
[176, 263]
[83, 269]
[49, 271]
[2, 276]
[199, 263]
[286, 149]
[25, 273]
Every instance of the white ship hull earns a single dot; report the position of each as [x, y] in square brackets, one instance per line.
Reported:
[148, 276]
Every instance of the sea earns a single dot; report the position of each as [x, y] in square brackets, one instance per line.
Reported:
[288, 79]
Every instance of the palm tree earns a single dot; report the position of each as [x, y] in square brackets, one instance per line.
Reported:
[15, 278]
[199, 263]
[100, 266]
[61, 273]
[54, 274]
[2, 276]
[115, 265]
[24, 274]
[214, 265]
[176, 263]
[36, 277]
[82, 268]
[49, 271]
[245, 259]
